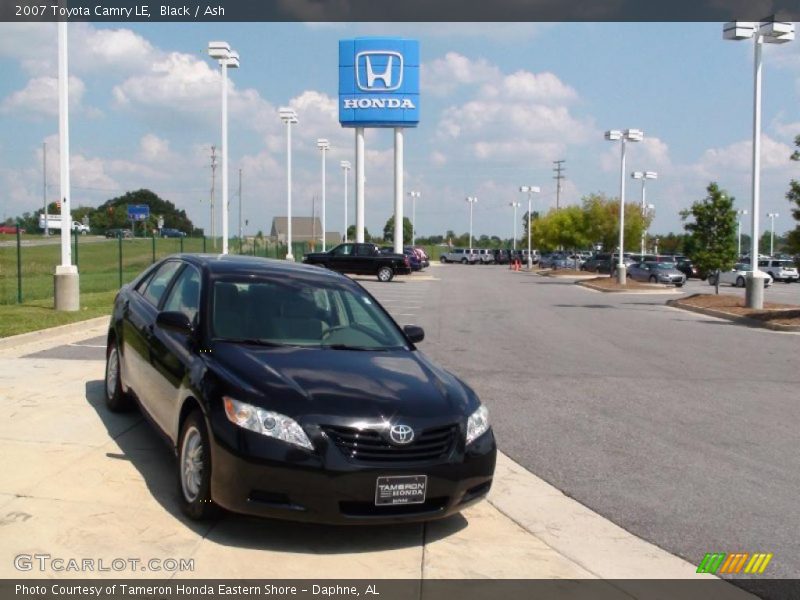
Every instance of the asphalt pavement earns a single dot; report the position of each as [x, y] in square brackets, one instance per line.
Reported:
[679, 427]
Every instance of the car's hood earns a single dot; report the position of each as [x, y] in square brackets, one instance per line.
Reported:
[345, 383]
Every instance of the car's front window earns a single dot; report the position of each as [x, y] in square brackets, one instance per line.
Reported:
[666, 266]
[301, 313]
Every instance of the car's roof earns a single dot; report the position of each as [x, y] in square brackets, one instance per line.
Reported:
[236, 264]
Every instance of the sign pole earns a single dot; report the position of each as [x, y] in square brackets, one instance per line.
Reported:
[359, 185]
[398, 190]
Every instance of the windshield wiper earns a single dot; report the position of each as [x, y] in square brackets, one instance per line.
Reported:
[254, 341]
[356, 348]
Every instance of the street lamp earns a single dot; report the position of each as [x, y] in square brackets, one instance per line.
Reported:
[289, 117]
[472, 200]
[414, 196]
[765, 32]
[772, 217]
[629, 135]
[644, 176]
[530, 190]
[514, 240]
[739, 214]
[228, 59]
[345, 164]
[324, 145]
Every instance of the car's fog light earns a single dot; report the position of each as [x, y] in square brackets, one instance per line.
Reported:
[477, 424]
[265, 422]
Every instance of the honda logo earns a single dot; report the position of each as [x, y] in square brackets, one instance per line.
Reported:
[379, 70]
[401, 434]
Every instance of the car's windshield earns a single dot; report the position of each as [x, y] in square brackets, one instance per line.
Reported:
[665, 266]
[300, 313]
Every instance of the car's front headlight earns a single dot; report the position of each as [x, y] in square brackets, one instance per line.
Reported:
[266, 422]
[477, 424]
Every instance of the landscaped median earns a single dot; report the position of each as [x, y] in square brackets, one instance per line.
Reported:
[610, 284]
[40, 314]
[779, 317]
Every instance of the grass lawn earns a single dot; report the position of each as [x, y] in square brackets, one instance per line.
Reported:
[39, 314]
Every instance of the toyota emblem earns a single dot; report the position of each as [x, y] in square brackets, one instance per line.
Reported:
[401, 434]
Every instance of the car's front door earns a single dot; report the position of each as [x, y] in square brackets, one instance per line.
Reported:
[172, 353]
[342, 258]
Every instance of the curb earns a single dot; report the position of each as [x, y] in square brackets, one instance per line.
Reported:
[44, 334]
[654, 292]
[710, 312]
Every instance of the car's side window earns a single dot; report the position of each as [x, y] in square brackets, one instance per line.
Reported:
[185, 294]
[343, 250]
[159, 282]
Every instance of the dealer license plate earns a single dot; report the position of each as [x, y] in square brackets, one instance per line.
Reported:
[401, 489]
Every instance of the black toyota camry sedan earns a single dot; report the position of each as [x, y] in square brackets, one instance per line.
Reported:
[287, 391]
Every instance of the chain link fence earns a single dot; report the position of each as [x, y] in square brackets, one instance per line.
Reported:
[27, 263]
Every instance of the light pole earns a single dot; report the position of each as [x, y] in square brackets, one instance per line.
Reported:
[769, 32]
[228, 59]
[472, 200]
[514, 239]
[414, 196]
[772, 217]
[289, 117]
[530, 190]
[739, 214]
[324, 145]
[629, 135]
[345, 164]
[644, 176]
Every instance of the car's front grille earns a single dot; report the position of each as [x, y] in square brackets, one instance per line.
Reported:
[369, 445]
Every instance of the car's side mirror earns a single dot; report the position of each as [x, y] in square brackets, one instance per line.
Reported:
[174, 321]
[414, 333]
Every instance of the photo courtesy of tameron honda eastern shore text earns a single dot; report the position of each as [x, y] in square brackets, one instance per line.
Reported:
[287, 391]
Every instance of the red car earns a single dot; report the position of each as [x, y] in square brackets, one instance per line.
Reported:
[10, 229]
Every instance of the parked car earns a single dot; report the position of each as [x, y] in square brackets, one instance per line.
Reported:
[598, 263]
[361, 259]
[737, 276]
[168, 232]
[780, 269]
[460, 255]
[423, 257]
[534, 256]
[485, 256]
[11, 229]
[502, 256]
[687, 268]
[287, 391]
[413, 259]
[657, 272]
[115, 233]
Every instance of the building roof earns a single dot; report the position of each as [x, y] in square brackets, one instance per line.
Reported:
[303, 229]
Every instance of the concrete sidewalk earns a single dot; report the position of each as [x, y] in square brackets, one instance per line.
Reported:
[81, 482]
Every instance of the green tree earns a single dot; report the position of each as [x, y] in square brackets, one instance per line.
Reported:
[713, 230]
[388, 230]
[793, 196]
[351, 233]
[114, 212]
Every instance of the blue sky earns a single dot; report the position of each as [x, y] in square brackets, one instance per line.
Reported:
[500, 102]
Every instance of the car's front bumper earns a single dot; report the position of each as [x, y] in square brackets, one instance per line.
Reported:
[259, 476]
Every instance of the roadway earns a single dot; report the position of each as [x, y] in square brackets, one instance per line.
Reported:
[680, 428]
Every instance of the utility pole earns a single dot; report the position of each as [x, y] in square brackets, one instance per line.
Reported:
[559, 169]
[240, 207]
[44, 188]
[213, 185]
[313, 221]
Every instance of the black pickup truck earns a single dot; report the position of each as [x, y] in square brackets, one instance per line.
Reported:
[361, 259]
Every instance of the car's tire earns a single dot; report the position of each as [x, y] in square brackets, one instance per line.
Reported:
[442, 260]
[385, 274]
[194, 469]
[116, 399]
[740, 282]
[653, 279]
[678, 285]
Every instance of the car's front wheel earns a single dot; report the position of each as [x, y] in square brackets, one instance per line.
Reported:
[116, 399]
[385, 274]
[443, 260]
[653, 279]
[740, 282]
[194, 469]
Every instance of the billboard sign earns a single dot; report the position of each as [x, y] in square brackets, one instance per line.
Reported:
[379, 82]
[138, 212]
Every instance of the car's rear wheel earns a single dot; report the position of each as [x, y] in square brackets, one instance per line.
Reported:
[463, 261]
[194, 469]
[740, 282]
[653, 279]
[116, 399]
[385, 274]
[443, 260]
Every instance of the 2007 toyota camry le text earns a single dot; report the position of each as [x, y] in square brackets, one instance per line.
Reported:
[287, 391]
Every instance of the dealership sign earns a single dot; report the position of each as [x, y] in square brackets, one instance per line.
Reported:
[379, 82]
[138, 212]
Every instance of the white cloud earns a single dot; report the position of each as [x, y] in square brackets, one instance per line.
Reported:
[153, 148]
[442, 75]
[40, 97]
[715, 163]
[525, 86]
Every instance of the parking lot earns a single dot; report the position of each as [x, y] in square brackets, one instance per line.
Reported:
[663, 429]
